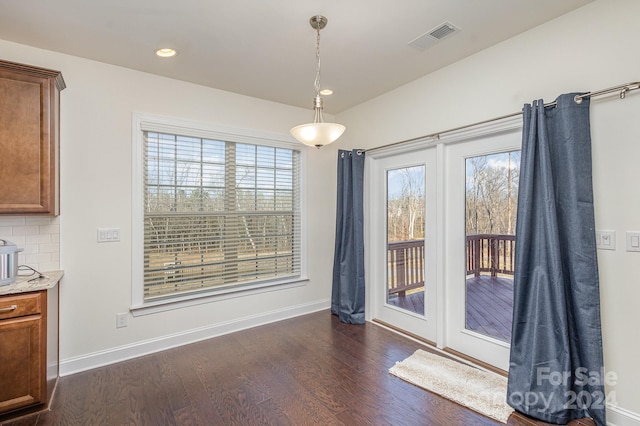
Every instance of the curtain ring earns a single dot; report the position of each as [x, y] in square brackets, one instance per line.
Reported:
[342, 155]
[360, 152]
[623, 92]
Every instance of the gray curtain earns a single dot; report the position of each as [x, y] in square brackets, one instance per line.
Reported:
[347, 297]
[556, 348]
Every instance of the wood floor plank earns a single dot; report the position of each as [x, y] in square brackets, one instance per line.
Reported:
[274, 414]
[201, 408]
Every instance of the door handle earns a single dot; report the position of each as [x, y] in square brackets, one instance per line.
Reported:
[9, 309]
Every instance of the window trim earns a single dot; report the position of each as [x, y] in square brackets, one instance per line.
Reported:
[142, 122]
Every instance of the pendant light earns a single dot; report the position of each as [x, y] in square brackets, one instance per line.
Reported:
[317, 133]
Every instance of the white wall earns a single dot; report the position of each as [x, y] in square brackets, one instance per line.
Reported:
[96, 156]
[591, 48]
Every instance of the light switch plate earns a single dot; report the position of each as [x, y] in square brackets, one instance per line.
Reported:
[633, 241]
[108, 235]
[606, 240]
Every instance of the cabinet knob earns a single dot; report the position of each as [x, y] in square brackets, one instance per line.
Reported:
[9, 309]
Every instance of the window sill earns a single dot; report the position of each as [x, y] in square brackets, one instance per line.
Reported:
[213, 296]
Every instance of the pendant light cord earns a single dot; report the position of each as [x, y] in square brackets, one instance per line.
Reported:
[317, 101]
[317, 82]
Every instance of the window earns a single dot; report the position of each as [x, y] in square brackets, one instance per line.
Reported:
[218, 214]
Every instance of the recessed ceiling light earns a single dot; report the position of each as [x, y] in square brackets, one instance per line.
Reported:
[166, 52]
[326, 92]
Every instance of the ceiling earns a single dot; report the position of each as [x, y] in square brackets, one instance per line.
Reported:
[266, 48]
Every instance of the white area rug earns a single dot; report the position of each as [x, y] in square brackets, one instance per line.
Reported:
[478, 390]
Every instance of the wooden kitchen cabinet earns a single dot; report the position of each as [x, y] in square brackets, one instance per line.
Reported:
[28, 350]
[29, 139]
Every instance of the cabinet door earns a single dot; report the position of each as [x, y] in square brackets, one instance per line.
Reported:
[22, 379]
[29, 100]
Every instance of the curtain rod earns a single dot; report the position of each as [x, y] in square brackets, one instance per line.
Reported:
[622, 89]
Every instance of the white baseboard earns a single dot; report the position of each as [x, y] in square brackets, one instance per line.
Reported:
[617, 416]
[122, 353]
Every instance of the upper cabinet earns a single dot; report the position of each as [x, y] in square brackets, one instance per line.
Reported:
[29, 139]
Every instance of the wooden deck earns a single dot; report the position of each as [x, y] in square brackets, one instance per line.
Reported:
[489, 305]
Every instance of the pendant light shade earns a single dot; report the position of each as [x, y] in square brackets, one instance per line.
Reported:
[317, 133]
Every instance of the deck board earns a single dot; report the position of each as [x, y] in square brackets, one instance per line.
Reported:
[489, 305]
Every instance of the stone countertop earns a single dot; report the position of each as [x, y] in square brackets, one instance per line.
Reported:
[27, 283]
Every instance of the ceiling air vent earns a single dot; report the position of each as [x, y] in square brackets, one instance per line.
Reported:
[433, 36]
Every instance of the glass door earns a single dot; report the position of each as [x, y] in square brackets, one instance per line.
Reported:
[402, 197]
[483, 192]
[491, 197]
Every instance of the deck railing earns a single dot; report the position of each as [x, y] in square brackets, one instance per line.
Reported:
[491, 253]
[406, 266]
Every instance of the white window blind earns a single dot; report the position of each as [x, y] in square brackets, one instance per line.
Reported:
[217, 214]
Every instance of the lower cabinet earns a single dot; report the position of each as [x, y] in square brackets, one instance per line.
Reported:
[27, 343]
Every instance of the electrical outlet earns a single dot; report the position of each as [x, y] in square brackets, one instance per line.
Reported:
[121, 320]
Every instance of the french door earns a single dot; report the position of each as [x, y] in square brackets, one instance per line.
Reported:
[440, 233]
[482, 192]
[402, 266]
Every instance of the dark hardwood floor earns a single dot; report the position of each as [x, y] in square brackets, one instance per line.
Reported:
[306, 370]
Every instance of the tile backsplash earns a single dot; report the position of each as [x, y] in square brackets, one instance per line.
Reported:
[38, 236]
